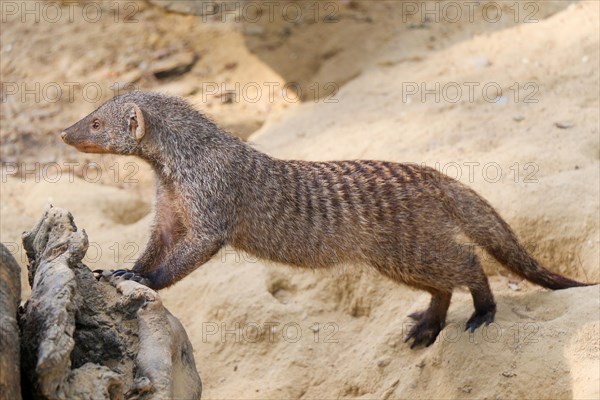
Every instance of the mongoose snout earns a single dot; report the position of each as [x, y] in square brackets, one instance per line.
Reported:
[406, 221]
[82, 141]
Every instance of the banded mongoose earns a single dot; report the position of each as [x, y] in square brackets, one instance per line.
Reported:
[213, 189]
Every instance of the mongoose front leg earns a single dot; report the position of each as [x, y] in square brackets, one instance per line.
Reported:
[188, 254]
[152, 255]
[166, 231]
[164, 238]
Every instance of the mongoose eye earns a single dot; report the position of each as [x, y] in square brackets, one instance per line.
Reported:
[96, 125]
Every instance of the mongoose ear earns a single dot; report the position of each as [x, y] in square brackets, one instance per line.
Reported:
[135, 121]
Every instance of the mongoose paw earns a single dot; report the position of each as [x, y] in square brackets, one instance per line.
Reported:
[424, 332]
[130, 276]
[477, 320]
[121, 274]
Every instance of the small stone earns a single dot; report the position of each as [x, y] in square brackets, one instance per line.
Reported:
[502, 100]
[514, 286]
[384, 362]
[518, 118]
[564, 124]
[481, 61]
[509, 374]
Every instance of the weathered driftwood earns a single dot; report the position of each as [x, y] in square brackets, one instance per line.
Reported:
[10, 297]
[83, 339]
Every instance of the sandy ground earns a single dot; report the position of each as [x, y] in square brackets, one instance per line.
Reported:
[516, 117]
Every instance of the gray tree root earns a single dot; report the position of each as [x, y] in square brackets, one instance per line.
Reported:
[10, 297]
[83, 339]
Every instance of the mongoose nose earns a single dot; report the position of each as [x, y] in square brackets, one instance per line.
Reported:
[63, 135]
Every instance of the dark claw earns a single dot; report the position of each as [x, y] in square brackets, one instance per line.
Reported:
[121, 274]
[130, 275]
[98, 273]
[102, 273]
[477, 320]
[417, 315]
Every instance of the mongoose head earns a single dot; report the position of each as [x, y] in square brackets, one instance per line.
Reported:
[116, 127]
[145, 124]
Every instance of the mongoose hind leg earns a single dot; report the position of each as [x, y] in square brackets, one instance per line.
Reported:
[430, 322]
[483, 299]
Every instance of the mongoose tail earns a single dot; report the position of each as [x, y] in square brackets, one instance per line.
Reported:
[485, 227]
